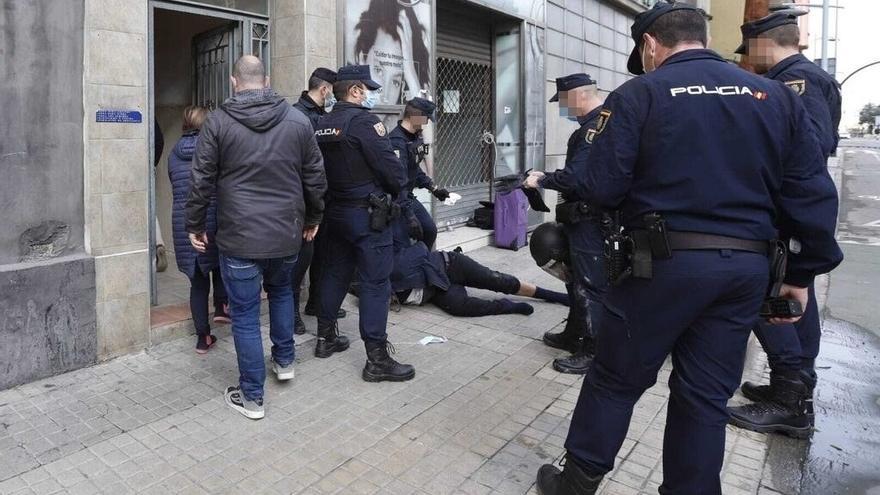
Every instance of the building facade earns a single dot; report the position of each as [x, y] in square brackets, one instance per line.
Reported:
[85, 191]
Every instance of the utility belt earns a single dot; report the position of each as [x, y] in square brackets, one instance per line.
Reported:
[573, 212]
[381, 207]
[631, 253]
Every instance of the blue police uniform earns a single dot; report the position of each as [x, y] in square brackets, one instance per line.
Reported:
[717, 151]
[412, 151]
[585, 238]
[359, 161]
[795, 346]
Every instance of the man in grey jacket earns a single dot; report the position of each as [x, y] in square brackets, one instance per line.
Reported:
[259, 157]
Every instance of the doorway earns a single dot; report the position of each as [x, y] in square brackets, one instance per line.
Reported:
[193, 50]
[479, 127]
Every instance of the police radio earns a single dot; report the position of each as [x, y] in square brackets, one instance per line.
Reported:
[773, 305]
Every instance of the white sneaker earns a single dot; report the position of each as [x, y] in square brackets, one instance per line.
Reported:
[252, 409]
[283, 373]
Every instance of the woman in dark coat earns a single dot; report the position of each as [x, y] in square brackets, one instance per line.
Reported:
[200, 268]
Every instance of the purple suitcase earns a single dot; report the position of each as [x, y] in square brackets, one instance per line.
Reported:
[511, 220]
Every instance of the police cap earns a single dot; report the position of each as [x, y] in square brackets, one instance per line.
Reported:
[641, 25]
[425, 106]
[549, 243]
[751, 30]
[324, 74]
[571, 81]
[357, 73]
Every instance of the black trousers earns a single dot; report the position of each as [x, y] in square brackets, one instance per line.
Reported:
[303, 261]
[464, 272]
[200, 288]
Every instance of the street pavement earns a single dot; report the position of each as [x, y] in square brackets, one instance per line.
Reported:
[483, 413]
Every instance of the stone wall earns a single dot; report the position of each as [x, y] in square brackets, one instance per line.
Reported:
[303, 37]
[117, 166]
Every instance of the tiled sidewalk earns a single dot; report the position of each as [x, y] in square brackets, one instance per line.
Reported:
[483, 413]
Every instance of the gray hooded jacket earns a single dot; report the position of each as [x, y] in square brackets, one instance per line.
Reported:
[261, 158]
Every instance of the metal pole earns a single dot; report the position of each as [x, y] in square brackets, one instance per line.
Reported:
[826, 9]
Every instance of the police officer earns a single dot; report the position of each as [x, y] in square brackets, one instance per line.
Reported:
[313, 103]
[579, 101]
[772, 44]
[700, 157]
[363, 175]
[408, 144]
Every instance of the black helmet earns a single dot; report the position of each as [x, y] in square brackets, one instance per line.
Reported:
[549, 243]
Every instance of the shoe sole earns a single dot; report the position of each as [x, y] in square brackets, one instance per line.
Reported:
[790, 431]
[329, 353]
[283, 377]
[368, 377]
[298, 332]
[570, 371]
[222, 319]
[244, 412]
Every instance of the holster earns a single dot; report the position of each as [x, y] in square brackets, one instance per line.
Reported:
[381, 211]
[572, 212]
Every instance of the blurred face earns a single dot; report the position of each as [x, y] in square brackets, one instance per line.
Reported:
[760, 51]
[419, 120]
[386, 66]
[572, 103]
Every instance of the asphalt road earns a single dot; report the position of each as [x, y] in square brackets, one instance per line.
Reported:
[843, 456]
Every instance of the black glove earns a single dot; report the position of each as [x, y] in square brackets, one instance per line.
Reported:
[440, 193]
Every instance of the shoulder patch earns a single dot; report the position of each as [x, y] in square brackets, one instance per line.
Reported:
[799, 86]
[380, 128]
[591, 134]
[602, 121]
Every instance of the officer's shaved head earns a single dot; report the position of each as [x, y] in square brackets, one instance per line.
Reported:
[680, 26]
[248, 73]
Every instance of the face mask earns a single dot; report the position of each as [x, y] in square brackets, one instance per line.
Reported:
[645, 65]
[371, 99]
[329, 101]
[572, 118]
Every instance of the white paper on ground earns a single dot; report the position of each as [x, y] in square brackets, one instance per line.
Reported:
[432, 339]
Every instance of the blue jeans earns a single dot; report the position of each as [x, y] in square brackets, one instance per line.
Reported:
[243, 279]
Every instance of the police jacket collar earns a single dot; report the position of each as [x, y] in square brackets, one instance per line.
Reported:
[309, 103]
[409, 135]
[785, 64]
[693, 54]
[590, 115]
[343, 105]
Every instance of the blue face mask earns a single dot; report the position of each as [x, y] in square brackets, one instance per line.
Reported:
[572, 118]
[329, 102]
[371, 100]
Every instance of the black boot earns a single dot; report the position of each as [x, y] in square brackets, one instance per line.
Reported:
[568, 339]
[329, 340]
[788, 413]
[573, 480]
[579, 362]
[381, 367]
[299, 326]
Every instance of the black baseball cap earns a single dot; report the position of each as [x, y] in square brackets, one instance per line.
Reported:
[425, 106]
[752, 29]
[571, 81]
[325, 74]
[357, 73]
[641, 25]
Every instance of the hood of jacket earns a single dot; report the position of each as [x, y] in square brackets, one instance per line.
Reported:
[186, 147]
[256, 109]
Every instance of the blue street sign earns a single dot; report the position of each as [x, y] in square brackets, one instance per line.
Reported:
[119, 116]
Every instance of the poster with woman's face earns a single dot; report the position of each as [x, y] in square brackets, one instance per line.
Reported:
[393, 37]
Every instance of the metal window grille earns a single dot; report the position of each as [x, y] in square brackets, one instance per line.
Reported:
[260, 42]
[212, 59]
[465, 97]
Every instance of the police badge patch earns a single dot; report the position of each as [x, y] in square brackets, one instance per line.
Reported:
[799, 86]
[380, 128]
[590, 135]
[604, 117]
